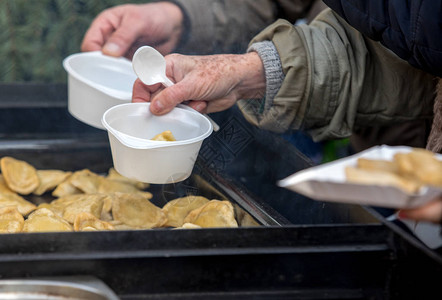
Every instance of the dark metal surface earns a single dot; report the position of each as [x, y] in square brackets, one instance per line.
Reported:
[257, 159]
[58, 288]
[311, 250]
[332, 261]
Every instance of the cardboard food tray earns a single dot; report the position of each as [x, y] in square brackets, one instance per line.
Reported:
[327, 182]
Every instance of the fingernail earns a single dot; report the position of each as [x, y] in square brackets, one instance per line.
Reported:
[157, 106]
[111, 48]
[200, 106]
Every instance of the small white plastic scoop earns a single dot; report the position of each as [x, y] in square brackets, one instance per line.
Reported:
[150, 67]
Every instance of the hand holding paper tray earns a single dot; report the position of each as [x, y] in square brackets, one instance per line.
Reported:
[328, 182]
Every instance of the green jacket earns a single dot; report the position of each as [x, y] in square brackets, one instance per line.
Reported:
[336, 80]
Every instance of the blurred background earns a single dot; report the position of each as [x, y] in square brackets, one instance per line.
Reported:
[37, 35]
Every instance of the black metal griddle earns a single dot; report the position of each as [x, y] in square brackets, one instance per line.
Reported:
[303, 249]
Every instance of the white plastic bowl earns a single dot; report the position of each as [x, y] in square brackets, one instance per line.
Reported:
[131, 127]
[96, 82]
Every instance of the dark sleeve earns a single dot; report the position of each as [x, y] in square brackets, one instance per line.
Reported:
[410, 28]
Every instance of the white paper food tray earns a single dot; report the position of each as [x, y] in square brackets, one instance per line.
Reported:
[327, 182]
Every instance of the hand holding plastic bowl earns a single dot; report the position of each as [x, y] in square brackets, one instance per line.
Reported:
[97, 82]
[100, 91]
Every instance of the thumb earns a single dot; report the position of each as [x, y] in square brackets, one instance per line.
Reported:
[168, 98]
[120, 41]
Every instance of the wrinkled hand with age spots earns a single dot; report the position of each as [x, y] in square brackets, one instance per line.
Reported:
[208, 83]
[121, 30]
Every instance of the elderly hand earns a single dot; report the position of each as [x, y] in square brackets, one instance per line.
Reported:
[431, 212]
[121, 30]
[210, 83]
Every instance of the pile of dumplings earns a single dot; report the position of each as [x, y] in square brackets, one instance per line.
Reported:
[86, 201]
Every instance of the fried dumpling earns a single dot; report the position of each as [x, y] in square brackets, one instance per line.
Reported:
[20, 176]
[44, 220]
[58, 205]
[66, 188]
[165, 136]
[114, 175]
[243, 218]
[49, 180]
[69, 206]
[121, 226]
[421, 165]
[24, 207]
[176, 210]
[91, 203]
[86, 181]
[108, 186]
[11, 221]
[379, 177]
[136, 210]
[215, 213]
[83, 181]
[4, 189]
[106, 214]
[45, 205]
[9, 197]
[85, 221]
[189, 226]
[147, 195]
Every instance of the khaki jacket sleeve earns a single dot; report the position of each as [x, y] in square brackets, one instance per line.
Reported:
[336, 80]
[227, 26]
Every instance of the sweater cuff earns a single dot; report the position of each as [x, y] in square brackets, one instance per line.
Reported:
[272, 68]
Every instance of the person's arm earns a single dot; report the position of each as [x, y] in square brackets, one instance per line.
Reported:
[209, 83]
[227, 26]
[186, 26]
[335, 79]
[120, 30]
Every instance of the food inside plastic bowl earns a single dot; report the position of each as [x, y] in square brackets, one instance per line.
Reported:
[97, 82]
[131, 128]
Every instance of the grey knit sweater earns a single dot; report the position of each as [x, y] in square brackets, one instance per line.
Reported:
[272, 68]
